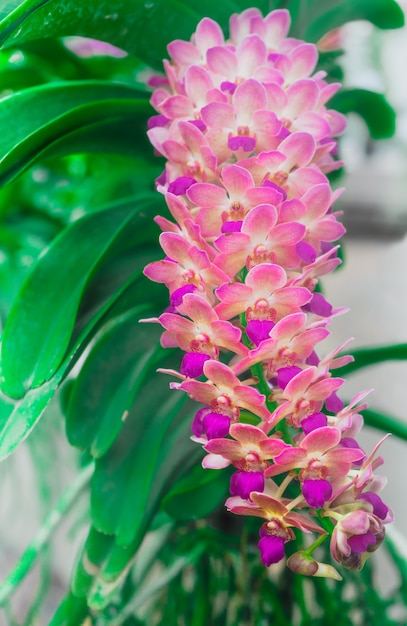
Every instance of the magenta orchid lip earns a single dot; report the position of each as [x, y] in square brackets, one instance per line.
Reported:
[249, 142]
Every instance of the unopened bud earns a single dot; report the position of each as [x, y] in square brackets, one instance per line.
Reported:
[301, 563]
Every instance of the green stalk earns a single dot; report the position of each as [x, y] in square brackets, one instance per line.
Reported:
[50, 524]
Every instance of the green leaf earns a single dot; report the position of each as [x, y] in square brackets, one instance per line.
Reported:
[41, 320]
[129, 479]
[62, 112]
[378, 114]
[143, 28]
[364, 357]
[18, 417]
[312, 19]
[386, 423]
[196, 495]
[122, 357]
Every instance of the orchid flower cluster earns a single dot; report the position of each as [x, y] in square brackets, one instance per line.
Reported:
[248, 140]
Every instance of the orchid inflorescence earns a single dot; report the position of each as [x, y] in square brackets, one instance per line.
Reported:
[248, 142]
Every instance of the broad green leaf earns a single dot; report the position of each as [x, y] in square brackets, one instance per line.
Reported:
[313, 18]
[116, 368]
[41, 321]
[196, 495]
[129, 479]
[18, 417]
[143, 28]
[59, 110]
[371, 356]
[373, 108]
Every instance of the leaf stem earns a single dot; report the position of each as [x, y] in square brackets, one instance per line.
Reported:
[50, 524]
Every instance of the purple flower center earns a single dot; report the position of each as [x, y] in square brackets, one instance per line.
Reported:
[232, 227]
[318, 305]
[241, 141]
[306, 252]
[192, 364]
[180, 185]
[243, 483]
[312, 359]
[216, 425]
[157, 120]
[228, 86]
[199, 124]
[360, 543]
[271, 549]
[178, 294]
[258, 330]
[379, 507]
[334, 404]
[316, 420]
[269, 183]
[349, 442]
[316, 492]
[285, 374]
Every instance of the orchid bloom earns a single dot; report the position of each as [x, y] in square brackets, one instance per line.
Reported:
[244, 125]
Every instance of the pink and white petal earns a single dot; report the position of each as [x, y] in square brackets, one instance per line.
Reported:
[273, 507]
[247, 434]
[339, 461]
[162, 271]
[288, 234]
[250, 96]
[176, 247]
[207, 195]
[318, 199]
[277, 99]
[267, 127]
[322, 389]
[228, 336]
[240, 24]
[302, 96]
[198, 309]
[303, 178]
[321, 439]
[266, 278]
[264, 195]
[299, 382]
[176, 107]
[168, 340]
[258, 222]
[218, 115]
[207, 35]
[337, 122]
[197, 84]
[314, 124]
[292, 297]
[176, 324]
[183, 52]
[299, 149]
[304, 523]
[251, 54]
[220, 374]
[277, 23]
[288, 459]
[237, 180]
[222, 60]
[250, 399]
[201, 392]
[304, 59]
[328, 229]
[176, 152]
[215, 461]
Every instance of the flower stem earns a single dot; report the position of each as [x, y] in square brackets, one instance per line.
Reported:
[50, 524]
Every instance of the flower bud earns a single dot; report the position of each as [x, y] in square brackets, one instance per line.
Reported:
[301, 563]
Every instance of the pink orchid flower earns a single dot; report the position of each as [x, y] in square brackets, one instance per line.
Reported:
[186, 264]
[291, 341]
[263, 296]
[218, 205]
[319, 458]
[303, 395]
[244, 126]
[224, 392]
[205, 333]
